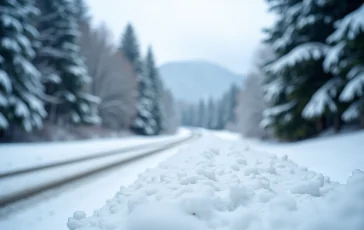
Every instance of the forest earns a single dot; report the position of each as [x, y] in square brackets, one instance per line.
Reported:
[306, 79]
[63, 78]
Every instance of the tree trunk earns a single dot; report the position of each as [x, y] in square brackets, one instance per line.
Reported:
[337, 123]
[321, 124]
[52, 113]
[361, 120]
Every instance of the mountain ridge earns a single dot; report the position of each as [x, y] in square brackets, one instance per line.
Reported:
[193, 80]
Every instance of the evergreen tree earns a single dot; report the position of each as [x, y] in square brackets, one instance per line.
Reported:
[212, 114]
[151, 73]
[81, 11]
[20, 82]
[130, 48]
[145, 122]
[233, 102]
[63, 68]
[301, 93]
[346, 59]
[202, 118]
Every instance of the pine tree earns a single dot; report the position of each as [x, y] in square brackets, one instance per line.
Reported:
[20, 82]
[346, 58]
[81, 11]
[212, 114]
[130, 48]
[234, 93]
[202, 118]
[152, 73]
[63, 68]
[145, 122]
[302, 93]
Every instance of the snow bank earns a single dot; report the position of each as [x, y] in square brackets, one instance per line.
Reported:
[218, 184]
[332, 155]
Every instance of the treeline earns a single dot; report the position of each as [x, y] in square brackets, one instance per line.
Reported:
[214, 114]
[57, 70]
[313, 79]
[307, 78]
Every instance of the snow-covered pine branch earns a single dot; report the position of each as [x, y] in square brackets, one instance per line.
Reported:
[349, 27]
[304, 52]
[323, 99]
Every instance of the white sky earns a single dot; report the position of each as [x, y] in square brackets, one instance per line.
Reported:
[221, 31]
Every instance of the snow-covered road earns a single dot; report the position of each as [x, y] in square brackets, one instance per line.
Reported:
[87, 195]
[20, 156]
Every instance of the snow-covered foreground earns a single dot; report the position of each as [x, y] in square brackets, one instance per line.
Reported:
[220, 184]
[51, 210]
[335, 156]
[20, 156]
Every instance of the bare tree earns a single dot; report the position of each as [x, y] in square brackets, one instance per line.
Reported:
[251, 103]
[171, 121]
[113, 78]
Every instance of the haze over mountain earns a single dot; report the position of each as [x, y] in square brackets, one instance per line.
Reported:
[194, 80]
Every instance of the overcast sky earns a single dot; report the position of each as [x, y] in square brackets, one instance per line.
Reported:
[221, 31]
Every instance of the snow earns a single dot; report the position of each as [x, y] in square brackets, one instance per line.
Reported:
[352, 112]
[10, 44]
[90, 98]
[322, 99]
[355, 86]
[266, 122]
[219, 184]
[334, 156]
[273, 90]
[285, 39]
[34, 103]
[276, 110]
[14, 185]
[21, 110]
[5, 81]
[51, 210]
[25, 43]
[304, 52]
[70, 97]
[21, 156]
[3, 121]
[333, 57]
[76, 70]
[9, 21]
[27, 67]
[350, 26]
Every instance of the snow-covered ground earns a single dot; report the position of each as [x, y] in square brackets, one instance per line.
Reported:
[223, 184]
[335, 156]
[51, 210]
[20, 156]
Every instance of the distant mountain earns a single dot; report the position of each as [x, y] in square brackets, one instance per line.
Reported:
[194, 80]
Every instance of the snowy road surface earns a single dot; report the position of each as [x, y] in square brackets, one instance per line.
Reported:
[20, 156]
[28, 181]
[219, 184]
[88, 195]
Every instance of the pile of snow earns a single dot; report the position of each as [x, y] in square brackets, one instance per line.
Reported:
[219, 184]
